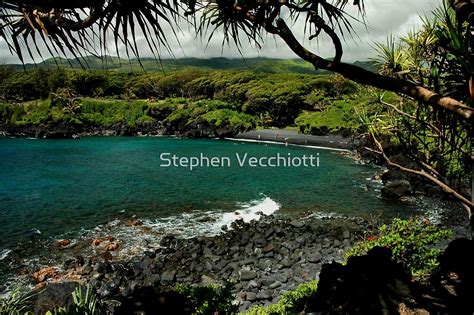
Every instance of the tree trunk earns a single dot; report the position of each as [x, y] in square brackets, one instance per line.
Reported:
[464, 10]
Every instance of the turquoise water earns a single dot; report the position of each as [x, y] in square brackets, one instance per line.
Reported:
[59, 186]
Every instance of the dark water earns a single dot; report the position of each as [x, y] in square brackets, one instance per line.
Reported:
[58, 186]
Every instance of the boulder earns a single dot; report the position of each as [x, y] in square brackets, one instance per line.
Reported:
[44, 274]
[269, 248]
[265, 295]
[314, 257]
[133, 223]
[96, 242]
[396, 189]
[275, 285]
[52, 296]
[246, 274]
[63, 243]
[112, 246]
[168, 275]
[250, 296]
[206, 280]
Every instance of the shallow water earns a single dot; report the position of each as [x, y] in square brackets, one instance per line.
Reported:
[52, 187]
[87, 189]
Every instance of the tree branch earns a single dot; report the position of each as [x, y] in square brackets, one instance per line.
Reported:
[369, 78]
[395, 108]
[467, 204]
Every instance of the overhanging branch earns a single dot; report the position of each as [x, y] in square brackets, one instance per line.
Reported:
[466, 203]
[366, 77]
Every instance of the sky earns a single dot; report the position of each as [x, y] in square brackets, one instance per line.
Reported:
[383, 17]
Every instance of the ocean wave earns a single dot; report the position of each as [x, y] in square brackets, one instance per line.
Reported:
[4, 254]
[209, 223]
[250, 211]
[146, 235]
[143, 235]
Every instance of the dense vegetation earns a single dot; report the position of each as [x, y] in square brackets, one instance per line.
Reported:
[231, 99]
[438, 56]
[411, 241]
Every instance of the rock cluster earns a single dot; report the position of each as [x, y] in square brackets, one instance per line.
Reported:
[263, 259]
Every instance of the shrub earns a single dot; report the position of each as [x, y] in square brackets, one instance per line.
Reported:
[83, 303]
[230, 118]
[144, 86]
[89, 82]
[210, 299]
[106, 113]
[411, 242]
[334, 86]
[291, 302]
[15, 304]
[175, 84]
[57, 79]
[6, 72]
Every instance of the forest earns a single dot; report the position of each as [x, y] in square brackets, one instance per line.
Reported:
[242, 99]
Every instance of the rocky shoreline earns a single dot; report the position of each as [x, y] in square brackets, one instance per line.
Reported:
[72, 131]
[159, 128]
[262, 259]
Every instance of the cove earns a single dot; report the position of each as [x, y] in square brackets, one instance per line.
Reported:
[54, 187]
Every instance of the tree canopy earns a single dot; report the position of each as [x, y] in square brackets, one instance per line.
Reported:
[76, 26]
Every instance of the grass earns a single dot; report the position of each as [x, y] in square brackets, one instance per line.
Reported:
[292, 128]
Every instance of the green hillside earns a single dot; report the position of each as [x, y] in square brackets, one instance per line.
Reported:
[259, 64]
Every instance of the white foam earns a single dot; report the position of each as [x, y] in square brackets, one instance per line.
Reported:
[250, 211]
[290, 144]
[198, 223]
[4, 254]
[135, 240]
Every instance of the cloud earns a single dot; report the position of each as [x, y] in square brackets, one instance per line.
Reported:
[383, 17]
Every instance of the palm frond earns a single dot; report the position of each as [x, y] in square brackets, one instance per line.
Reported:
[80, 31]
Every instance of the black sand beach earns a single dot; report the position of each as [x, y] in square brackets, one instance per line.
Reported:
[293, 137]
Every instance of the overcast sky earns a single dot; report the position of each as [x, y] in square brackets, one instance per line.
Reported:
[384, 17]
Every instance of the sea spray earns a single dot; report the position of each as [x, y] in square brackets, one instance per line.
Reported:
[4, 254]
[250, 211]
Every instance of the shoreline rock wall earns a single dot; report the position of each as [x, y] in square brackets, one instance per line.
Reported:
[262, 259]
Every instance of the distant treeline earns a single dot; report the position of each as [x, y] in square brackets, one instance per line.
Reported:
[258, 64]
[314, 103]
[282, 96]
